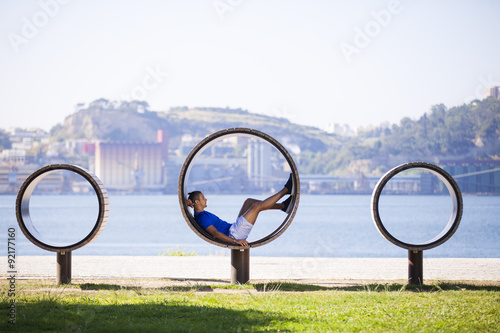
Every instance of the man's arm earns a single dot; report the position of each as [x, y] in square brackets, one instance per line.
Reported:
[219, 235]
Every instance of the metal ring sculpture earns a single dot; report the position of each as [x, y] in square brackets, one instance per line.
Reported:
[198, 149]
[456, 198]
[23, 213]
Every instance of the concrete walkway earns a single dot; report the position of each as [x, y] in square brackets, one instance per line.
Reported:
[261, 268]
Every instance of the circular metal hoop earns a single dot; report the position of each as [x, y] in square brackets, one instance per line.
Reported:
[456, 199]
[198, 149]
[23, 201]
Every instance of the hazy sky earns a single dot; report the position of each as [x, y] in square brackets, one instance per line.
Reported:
[314, 62]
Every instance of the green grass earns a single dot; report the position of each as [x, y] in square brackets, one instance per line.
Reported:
[281, 306]
[177, 252]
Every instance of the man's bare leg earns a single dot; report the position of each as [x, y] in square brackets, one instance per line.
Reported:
[258, 206]
[249, 202]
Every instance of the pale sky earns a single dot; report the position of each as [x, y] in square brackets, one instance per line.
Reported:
[314, 62]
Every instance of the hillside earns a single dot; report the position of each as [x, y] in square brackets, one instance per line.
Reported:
[103, 120]
[465, 132]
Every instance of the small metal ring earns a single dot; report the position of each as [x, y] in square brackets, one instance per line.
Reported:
[456, 198]
[198, 149]
[23, 213]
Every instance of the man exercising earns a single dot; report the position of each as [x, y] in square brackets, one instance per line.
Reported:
[238, 232]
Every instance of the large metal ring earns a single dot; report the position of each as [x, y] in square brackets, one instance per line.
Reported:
[456, 199]
[198, 149]
[23, 212]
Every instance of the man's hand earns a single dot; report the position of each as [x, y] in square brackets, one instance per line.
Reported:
[219, 235]
[242, 242]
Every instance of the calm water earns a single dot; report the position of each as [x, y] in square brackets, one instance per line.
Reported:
[325, 226]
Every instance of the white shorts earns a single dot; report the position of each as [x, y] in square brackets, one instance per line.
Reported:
[240, 229]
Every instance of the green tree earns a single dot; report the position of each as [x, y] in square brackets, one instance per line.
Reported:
[459, 129]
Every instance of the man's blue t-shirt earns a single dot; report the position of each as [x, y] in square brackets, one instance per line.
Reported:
[206, 219]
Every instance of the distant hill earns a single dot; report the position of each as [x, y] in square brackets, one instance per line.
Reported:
[466, 132]
[133, 121]
[469, 131]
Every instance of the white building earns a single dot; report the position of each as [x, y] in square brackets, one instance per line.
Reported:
[259, 166]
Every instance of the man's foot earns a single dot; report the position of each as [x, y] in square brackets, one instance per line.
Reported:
[289, 185]
[287, 207]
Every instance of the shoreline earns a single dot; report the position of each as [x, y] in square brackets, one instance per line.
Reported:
[261, 268]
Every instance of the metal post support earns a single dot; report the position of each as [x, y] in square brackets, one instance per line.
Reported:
[63, 267]
[415, 267]
[240, 266]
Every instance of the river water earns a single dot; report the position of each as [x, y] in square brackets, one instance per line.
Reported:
[324, 226]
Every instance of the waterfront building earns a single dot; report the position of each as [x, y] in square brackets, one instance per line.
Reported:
[132, 166]
[493, 92]
[259, 167]
[475, 176]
